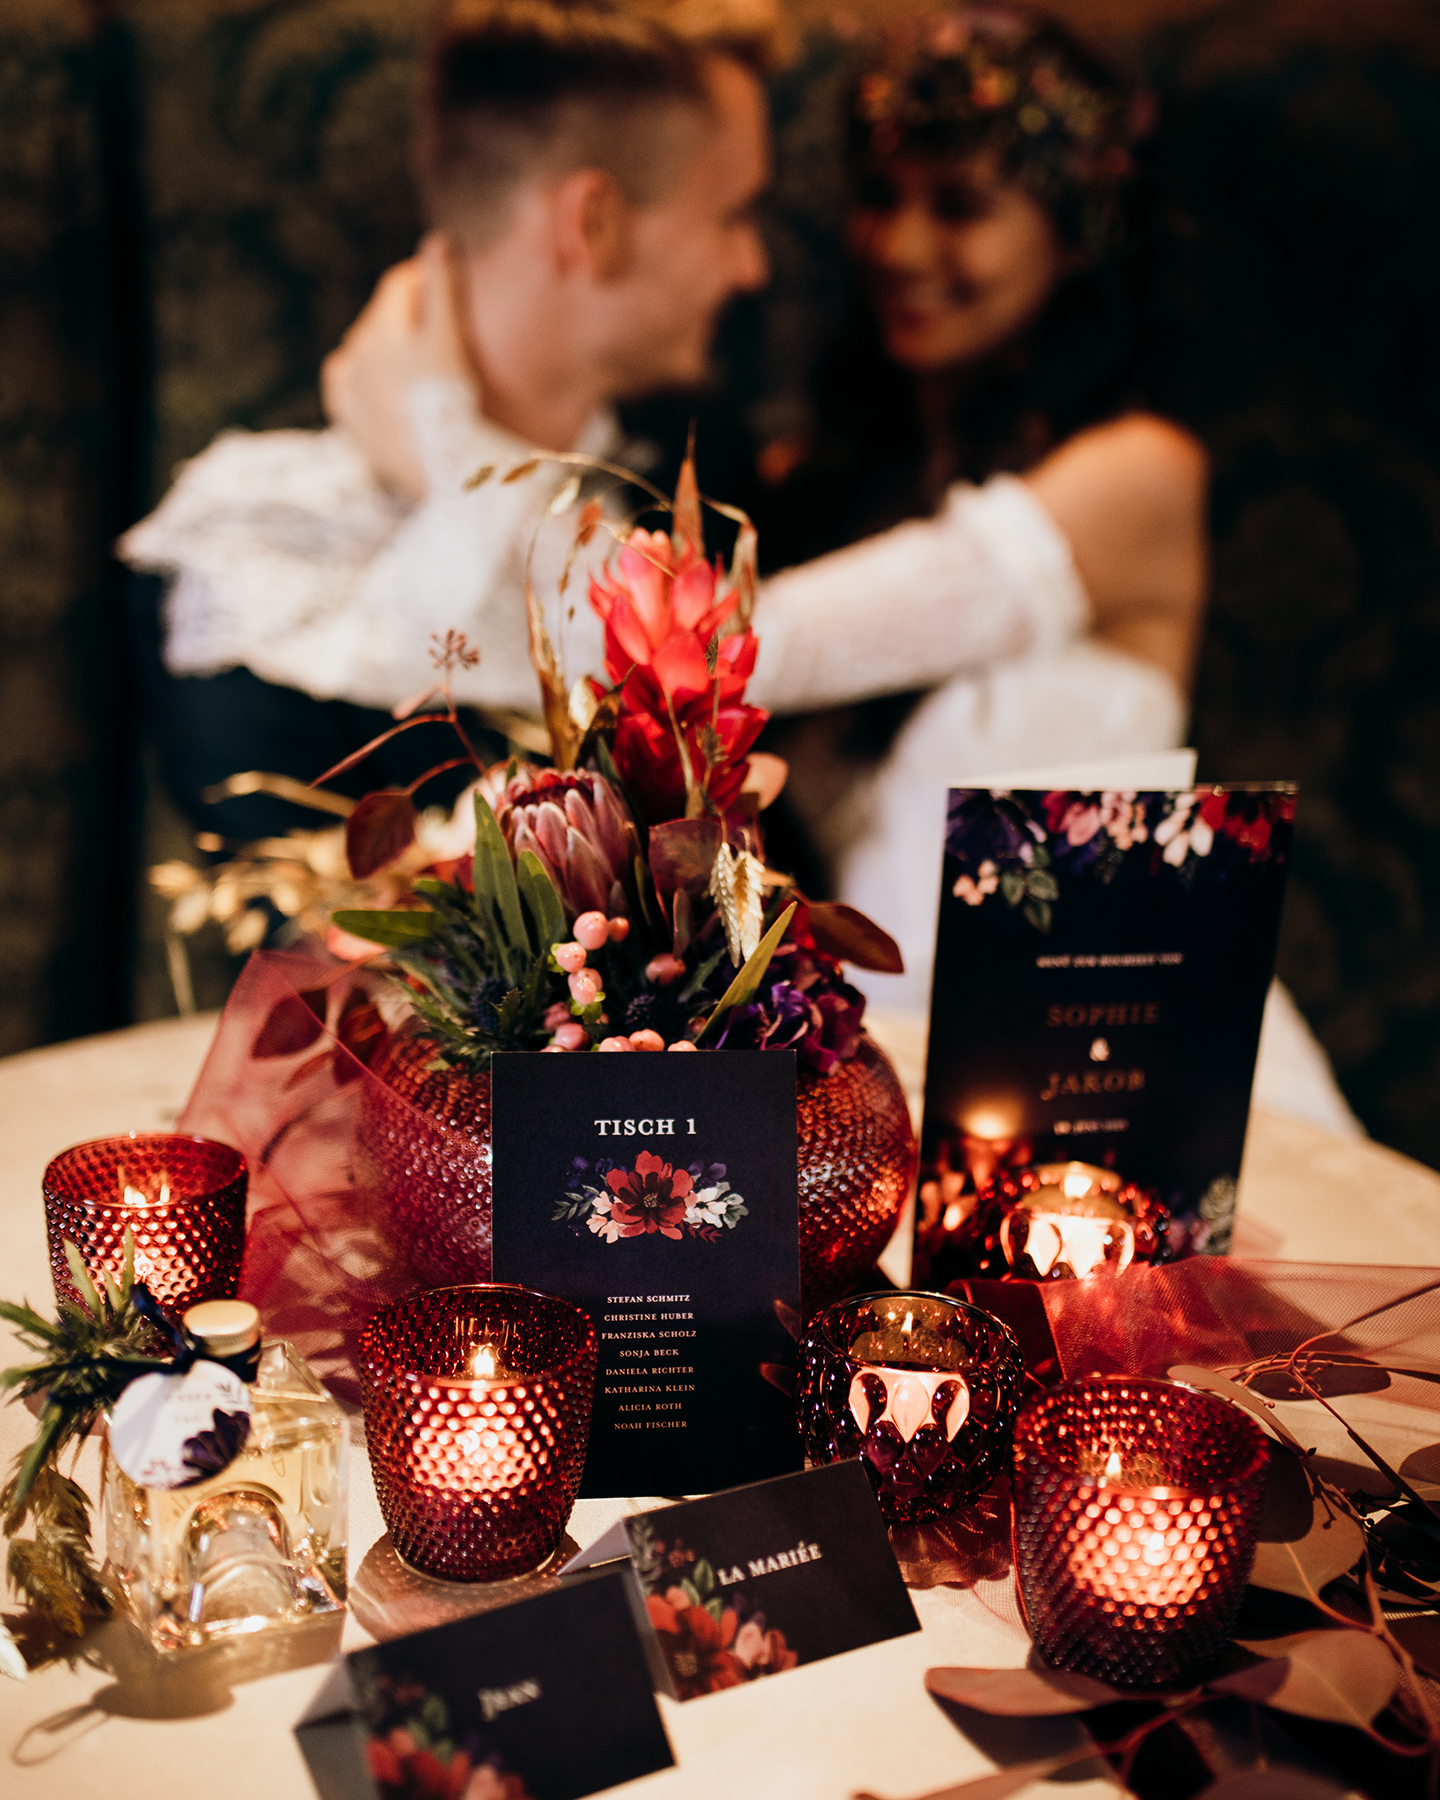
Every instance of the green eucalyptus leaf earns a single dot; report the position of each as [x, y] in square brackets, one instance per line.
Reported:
[392, 929]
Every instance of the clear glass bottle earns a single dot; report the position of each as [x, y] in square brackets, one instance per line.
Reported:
[261, 1544]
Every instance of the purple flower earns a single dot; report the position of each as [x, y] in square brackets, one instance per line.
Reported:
[983, 828]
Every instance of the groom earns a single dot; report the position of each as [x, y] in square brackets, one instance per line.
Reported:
[591, 186]
[589, 170]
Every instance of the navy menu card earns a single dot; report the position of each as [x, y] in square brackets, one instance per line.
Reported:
[1101, 968]
[549, 1698]
[764, 1578]
[659, 1191]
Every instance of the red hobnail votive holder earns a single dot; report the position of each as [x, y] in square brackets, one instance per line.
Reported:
[920, 1387]
[477, 1474]
[186, 1215]
[1136, 1508]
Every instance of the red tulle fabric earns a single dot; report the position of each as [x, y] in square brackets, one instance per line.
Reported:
[284, 1084]
[1222, 1312]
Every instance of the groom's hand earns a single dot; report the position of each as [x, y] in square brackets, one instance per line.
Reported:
[407, 333]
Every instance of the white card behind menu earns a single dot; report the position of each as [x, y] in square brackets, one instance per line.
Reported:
[1159, 769]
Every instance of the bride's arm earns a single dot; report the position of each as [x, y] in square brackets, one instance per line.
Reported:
[1105, 536]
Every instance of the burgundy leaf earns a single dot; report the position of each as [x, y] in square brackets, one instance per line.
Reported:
[379, 831]
[360, 1028]
[844, 932]
[290, 1026]
[682, 854]
[308, 1068]
[1020, 1693]
[1343, 1676]
[1306, 1537]
[1226, 1389]
[1275, 1782]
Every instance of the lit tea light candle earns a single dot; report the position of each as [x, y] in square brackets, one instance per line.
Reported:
[1137, 1505]
[178, 1200]
[1136, 1544]
[1072, 1224]
[477, 1413]
[928, 1384]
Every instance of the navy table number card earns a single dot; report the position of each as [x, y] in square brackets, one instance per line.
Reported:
[764, 1578]
[1101, 968]
[659, 1191]
[549, 1698]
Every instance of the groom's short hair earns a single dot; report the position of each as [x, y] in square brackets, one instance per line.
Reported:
[519, 87]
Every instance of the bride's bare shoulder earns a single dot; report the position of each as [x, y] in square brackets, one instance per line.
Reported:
[1130, 496]
[1138, 462]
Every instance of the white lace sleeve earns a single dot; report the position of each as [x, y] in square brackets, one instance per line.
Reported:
[988, 578]
[291, 560]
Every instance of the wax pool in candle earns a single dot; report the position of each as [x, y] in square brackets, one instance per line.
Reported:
[910, 1342]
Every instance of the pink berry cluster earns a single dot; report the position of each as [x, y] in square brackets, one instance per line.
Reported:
[592, 932]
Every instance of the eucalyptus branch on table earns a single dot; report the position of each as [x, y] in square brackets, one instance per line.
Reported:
[1366, 1553]
[87, 1358]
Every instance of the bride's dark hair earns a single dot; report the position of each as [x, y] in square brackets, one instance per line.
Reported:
[1009, 85]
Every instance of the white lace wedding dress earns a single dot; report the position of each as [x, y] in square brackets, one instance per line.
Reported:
[288, 558]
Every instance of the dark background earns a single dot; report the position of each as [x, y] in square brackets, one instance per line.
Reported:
[199, 194]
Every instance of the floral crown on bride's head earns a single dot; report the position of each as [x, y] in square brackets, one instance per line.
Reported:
[1004, 81]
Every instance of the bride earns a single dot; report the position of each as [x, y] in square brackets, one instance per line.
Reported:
[1044, 606]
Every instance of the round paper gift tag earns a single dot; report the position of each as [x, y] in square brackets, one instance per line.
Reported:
[170, 1431]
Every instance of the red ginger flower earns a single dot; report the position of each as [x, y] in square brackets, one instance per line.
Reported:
[661, 614]
[650, 1197]
[579, 830]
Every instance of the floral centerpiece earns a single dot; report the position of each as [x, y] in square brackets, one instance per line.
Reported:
[619, 901]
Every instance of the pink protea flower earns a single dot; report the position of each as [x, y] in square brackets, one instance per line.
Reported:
[578, 827]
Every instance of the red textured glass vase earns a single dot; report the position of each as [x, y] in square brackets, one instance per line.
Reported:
[855, 1146]
[181, 1198]
[1136, 1508]
[922, 1388]
[477, 1415]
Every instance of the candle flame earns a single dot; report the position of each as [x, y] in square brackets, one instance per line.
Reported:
[909, 1324]
[136, 1197]
[1076, 1184]
[484, 1361]
[1114, 1468]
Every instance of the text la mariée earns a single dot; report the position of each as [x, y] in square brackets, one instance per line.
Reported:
[769, 1565]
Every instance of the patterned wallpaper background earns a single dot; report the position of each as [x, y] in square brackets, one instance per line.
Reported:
[197, 195]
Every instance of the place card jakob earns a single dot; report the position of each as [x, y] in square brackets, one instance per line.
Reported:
[761, 1579]
[553, 1692]
[659, 1192]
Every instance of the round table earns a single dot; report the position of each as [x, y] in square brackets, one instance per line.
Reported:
[119, 1722]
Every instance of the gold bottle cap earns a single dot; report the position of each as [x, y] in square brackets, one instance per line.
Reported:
[224, 1326]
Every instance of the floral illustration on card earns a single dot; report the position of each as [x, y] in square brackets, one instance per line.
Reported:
[652, 1198]
[1018, 845]
[415, 1753]
[711, 1639]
